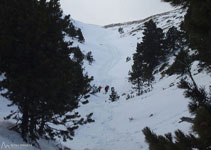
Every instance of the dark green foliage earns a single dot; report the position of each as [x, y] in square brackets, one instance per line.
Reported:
[41, 78]
[80, 35]
[201, 107]
[113, 96]
[152, 45]
[181, 64]
[197, 25]
[129, 96]
[198, 95]
[152, 139]
[89, 57]
[136, 76]
[120, 30]
[78, 55]
[174, 40]
[149, 53]
[164, 142]
[128, 59]
[89, 118]
[75, 33]
[202, 126]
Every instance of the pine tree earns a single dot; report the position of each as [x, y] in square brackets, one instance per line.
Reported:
[75, 33]
[114, 96]
[120, 30]
[197, 25]
[89, 57]
[80, 35]
[201, 108]
[136, 75]
[149, 53]
[152, 48]
[174, 40]
[41, 78]
[181, 65]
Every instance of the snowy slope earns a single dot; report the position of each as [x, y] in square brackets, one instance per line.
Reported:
[118, 125]
[10, 139]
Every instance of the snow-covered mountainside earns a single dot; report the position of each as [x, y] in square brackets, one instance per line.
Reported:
[118, 124]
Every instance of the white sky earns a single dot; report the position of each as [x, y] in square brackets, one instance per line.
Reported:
[102, 12]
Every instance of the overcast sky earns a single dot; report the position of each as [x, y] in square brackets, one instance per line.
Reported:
[103, 12]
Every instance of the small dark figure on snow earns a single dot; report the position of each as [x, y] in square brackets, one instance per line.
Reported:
[106, 89]
[99, 89]
[114, 96]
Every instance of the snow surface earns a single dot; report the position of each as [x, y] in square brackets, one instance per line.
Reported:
[118, 125]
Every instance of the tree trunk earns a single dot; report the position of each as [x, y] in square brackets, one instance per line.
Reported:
[42, 126]
[191, 77]
[24, 123]
[32, 128]
[186, 119]
[139, 87]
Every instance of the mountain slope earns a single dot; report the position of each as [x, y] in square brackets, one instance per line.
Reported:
[118, 125]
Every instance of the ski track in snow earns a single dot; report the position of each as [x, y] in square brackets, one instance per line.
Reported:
[160, 109]
[112, 129]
